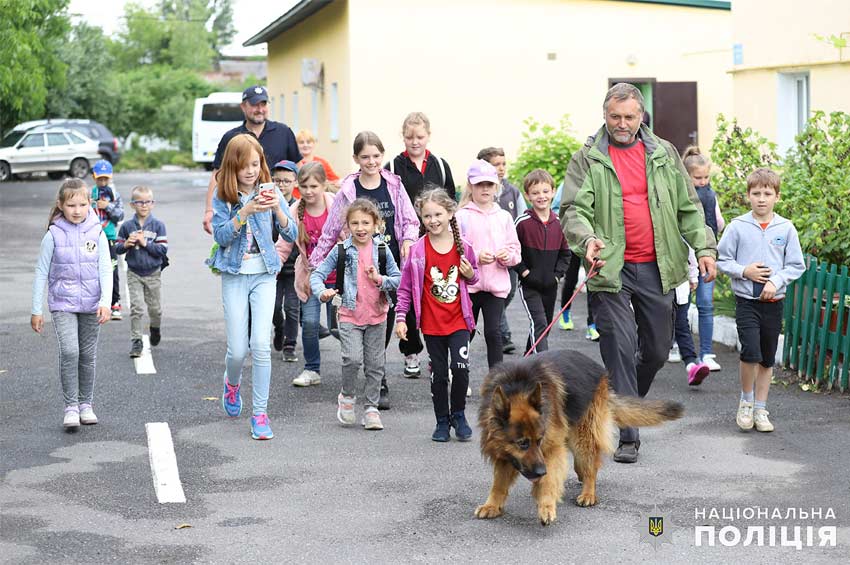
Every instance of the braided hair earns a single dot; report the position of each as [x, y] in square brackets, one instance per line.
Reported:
[439, 196]
[313, 170]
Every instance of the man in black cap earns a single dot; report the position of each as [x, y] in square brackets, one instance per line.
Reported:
[277, 139]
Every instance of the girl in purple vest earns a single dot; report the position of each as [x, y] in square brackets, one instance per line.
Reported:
[74, 262]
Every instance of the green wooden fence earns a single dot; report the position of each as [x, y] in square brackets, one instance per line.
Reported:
[817, 340]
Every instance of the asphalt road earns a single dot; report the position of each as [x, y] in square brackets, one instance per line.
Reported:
[318, 493]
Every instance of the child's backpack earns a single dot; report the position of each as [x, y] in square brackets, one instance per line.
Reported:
[339, 286]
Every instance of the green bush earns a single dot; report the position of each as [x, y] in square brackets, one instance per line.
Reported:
[135, 159]
[544, 147]
[816, 187]
[815, 179]
[736, 153]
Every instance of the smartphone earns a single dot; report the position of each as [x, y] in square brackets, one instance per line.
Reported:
[265, 192]
[757, 288]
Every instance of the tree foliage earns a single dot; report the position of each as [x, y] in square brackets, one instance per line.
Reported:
[173, 34]
[544, 147]
[32, 33]
[90, 90]
[736, 152]
[815, 179]
[143, 82]
[816, 186]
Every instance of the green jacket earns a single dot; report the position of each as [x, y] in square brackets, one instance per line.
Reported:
[592, 207]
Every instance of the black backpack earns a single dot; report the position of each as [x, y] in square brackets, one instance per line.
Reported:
[340, 265]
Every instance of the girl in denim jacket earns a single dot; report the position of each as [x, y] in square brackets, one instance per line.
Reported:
[363, 307]
[243, 221]
[435, 279]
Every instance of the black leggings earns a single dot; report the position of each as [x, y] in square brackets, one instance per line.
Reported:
[116, 288]
[493, 307]
[439, 348]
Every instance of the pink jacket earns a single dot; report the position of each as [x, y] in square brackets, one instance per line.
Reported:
[302, 267]
[413, 280]
[406, 226]
[490, 231]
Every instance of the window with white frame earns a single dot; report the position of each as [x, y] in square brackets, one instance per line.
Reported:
[792, 107]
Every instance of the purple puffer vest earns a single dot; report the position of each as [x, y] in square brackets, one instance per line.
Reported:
[73, 283]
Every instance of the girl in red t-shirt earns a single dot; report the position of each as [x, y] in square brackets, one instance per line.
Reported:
[434, 281]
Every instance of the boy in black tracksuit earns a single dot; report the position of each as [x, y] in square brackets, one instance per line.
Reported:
[545, 256]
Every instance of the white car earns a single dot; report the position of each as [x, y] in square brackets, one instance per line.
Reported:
[55, 151]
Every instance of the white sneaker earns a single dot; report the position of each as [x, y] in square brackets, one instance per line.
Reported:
[761, 421]
[411, 366]
[87, 416]
[345, 409]
[372, 419]
[745, 415]
[674, 356]
[307, 378]
[71, 420]
[709, 359]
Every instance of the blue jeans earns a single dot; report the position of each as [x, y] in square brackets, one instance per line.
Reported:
[705, 306]
[237, 292]
[311, 312]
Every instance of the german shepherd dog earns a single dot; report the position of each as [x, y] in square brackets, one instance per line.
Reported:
[532, 411]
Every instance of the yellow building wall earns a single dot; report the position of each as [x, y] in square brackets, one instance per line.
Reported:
[781, 32]
[478, 68]
[781, 40]
[323, 36]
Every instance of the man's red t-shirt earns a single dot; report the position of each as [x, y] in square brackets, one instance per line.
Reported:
[441, 310]
[630, 164]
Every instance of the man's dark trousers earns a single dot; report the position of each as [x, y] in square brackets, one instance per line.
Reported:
[631, 357]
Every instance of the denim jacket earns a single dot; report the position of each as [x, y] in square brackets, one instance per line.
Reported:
[352, 255]
[234, 242]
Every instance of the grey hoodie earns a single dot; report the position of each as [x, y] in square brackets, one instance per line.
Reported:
[777, 247]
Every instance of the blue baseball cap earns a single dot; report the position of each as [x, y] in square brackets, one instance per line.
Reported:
[255, 94]
[286, 165]
[102, 168]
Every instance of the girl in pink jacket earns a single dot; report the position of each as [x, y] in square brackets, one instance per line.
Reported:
[491, 232]
[386, 190]
[433, 287]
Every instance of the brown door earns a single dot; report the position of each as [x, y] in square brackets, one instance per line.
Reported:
[674, 107]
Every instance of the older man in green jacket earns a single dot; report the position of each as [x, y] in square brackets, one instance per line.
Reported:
[628, 201]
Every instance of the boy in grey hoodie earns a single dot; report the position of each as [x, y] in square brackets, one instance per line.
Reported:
[760, 251]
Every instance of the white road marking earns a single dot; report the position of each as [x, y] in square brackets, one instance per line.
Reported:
[166, 476]
[144, 364]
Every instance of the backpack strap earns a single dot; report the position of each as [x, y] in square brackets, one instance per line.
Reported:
[340, 268]
[382, 259]
[442, 170]
[275, 233]
[392, 165]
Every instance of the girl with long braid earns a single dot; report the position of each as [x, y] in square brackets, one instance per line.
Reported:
[311, 213]
[434, 282]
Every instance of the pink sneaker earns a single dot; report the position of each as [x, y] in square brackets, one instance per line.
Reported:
[697, 372]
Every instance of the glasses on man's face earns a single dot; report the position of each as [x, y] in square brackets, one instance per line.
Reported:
[142, 202]
[284, 182]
